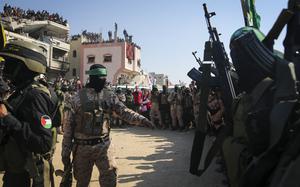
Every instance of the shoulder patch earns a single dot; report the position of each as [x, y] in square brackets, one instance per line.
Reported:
[46, 121]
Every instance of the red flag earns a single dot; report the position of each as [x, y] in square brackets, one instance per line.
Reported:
[130, 51]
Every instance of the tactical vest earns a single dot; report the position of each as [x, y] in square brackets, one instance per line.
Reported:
[235, 149]
[94, 115]
[16, 159]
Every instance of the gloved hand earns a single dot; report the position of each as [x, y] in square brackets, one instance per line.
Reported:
[148, 123]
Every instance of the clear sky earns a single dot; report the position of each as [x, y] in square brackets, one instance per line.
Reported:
[167, 30]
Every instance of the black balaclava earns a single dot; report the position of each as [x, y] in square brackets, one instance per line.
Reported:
[98, 75]
[249, 73]
[17, 73]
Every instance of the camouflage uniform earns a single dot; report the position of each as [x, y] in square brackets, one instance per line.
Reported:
[196, 105]
[175, 100]
[67, 108]
[116, 121]
[92, 142]
[155, 113]
[215, 111]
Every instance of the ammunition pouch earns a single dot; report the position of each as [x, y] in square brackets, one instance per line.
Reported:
[92, 114]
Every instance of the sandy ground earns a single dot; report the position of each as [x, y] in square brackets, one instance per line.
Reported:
[152, 158]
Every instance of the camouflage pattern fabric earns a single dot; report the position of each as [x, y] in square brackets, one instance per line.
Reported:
[100, 154]
[176, 110]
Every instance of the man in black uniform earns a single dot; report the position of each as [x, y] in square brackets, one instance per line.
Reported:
[26, 118]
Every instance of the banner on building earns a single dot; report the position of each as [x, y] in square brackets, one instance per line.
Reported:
[129, 51]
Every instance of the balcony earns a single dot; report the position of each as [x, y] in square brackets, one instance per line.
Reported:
[60, 65]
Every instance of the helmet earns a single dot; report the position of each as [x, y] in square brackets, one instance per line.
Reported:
[31, 55]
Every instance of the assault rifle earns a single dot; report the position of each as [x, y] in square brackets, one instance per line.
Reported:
[197, 74]
[214, 51]
[221, 60]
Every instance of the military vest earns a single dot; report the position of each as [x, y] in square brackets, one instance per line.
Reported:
[15, 159]
[94, 114]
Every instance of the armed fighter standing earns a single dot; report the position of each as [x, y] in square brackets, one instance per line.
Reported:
[88, 126]
[26, 118]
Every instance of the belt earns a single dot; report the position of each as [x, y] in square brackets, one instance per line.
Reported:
[94, 141]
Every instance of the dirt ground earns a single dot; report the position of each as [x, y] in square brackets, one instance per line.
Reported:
[152, 158]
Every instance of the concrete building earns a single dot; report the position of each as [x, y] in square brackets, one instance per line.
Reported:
[121, 57]
[74, 57]
[49, 35]
[113, 56]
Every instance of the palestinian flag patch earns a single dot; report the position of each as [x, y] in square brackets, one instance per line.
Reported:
[46, 122]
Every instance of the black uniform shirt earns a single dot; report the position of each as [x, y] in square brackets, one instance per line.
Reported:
[32, 117]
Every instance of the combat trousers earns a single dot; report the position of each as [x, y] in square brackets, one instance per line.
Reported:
[102, 156]
[176, 115]
[155, 114]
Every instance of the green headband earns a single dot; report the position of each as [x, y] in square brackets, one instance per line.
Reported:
[97, 71]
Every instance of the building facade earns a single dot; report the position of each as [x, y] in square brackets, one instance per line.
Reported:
[49, 35]
[121, 67]
[74, 57]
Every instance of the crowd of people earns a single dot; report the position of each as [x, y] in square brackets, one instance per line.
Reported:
[18, 14]
[176, 109]
[91, 36]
